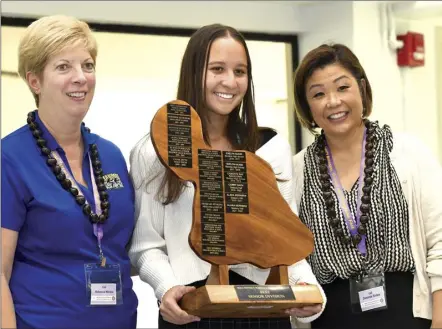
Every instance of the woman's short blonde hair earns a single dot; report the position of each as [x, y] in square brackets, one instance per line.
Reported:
[49, 36]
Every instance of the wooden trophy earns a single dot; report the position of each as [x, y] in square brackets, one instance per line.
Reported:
[239, 216]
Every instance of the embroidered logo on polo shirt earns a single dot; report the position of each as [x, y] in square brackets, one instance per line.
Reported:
[112, 181]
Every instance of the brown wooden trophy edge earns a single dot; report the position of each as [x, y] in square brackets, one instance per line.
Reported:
[271, 181]
[218, 299]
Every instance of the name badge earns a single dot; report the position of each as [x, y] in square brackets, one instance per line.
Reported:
[371, 299]
[103, 294]
[103, 285]
[368, 293]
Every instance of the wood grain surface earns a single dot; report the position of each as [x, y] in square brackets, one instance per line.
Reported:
[269, 235]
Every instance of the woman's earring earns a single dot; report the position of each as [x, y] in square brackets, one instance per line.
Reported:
[314, 124]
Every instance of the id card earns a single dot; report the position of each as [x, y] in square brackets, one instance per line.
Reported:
[103, 294]
[368, 293]
[103, 285]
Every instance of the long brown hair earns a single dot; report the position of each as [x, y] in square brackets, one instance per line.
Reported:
[242, 126]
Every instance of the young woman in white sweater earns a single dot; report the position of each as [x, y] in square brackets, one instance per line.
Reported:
[216, 80]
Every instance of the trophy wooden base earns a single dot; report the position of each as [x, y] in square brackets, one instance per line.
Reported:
[222, 301]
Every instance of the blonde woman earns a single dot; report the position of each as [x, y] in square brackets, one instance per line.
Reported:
[67, 201]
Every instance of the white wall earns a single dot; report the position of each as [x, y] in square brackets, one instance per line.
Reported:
[404, 98]
[420, 89]
[252, 16]
[324, 22]
[379, 62]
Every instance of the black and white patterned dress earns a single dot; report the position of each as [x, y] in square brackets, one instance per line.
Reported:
[387, 241]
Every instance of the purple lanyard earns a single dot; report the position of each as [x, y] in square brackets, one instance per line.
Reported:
[352, 221]
[98, 228]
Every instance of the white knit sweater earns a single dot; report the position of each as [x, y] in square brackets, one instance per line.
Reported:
[160, 249]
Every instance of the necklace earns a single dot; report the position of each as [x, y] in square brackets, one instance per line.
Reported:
[66, 183]
[328, 193]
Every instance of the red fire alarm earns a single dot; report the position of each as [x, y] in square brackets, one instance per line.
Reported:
[413, 52]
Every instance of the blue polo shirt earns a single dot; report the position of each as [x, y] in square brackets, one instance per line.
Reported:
[56, 239]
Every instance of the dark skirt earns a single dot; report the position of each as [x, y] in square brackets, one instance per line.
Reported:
[247, 323]
[399, 290]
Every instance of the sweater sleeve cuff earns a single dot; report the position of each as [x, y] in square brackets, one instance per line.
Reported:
[160, 280]
[436, 283]
[162, 288]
